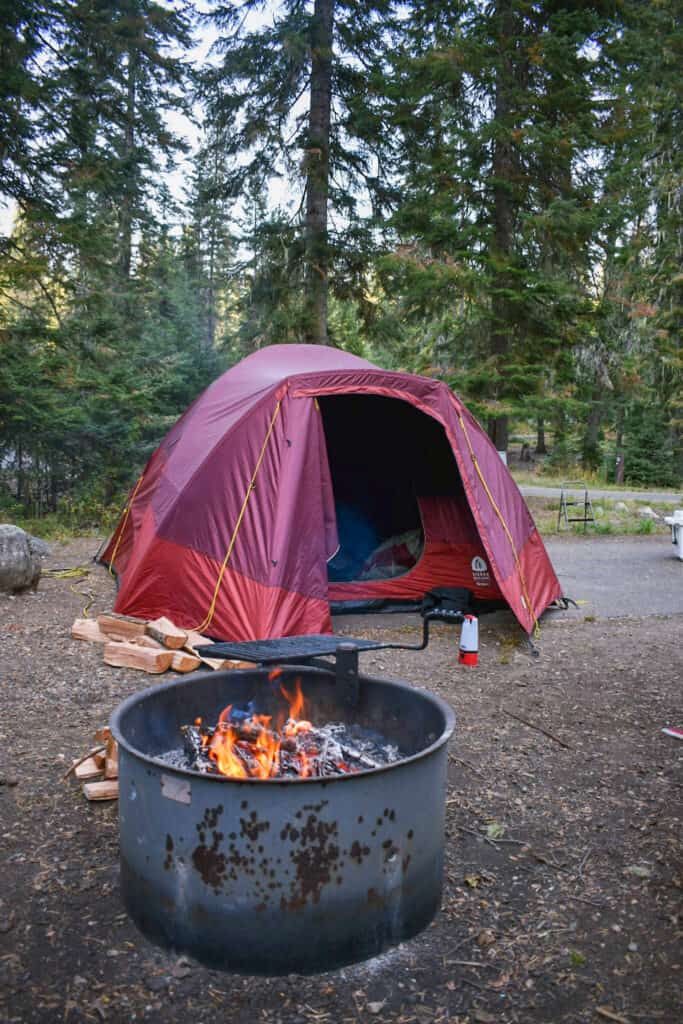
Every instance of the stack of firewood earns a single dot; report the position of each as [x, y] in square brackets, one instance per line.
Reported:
[153, 647]
[98, 770]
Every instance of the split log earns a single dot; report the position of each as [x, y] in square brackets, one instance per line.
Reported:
[87, 629]
[124, 655]
[166, 633]
[121, 627]
[195, 640]
[184, 662]
[100, 759]
[111, 763]
[88, 770]
[103, 734]
[148, 641]
[108, 789]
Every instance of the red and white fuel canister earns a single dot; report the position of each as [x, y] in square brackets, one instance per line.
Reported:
[469, 641]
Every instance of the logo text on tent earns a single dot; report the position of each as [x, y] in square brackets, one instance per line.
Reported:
[480, 572]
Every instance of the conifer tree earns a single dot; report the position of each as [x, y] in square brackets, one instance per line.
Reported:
[493, 103]
[295, 99]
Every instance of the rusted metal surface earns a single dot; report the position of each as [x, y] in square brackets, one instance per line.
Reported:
[282, 876]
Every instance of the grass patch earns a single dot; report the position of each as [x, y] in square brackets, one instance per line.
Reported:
[609, 520]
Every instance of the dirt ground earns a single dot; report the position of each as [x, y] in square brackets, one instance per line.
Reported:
[564, 866]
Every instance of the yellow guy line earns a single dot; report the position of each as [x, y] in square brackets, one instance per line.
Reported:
[212, 608]
[503, 524]
[123, 525]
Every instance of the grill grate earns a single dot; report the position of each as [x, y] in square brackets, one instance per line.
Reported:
[287, 648]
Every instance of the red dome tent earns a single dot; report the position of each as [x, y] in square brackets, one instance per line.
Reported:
[303, 455]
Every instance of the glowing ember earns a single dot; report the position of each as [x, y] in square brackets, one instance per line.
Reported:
[247, 745]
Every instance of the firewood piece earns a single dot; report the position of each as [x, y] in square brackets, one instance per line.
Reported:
[103, 734]
[166, 633]
[108, 789]
[88, 770]
[124, 655]
[99, 758]
[120, 627]
[111, 763]
[148, 641]
[87, 629]
[184, 662]
[194, 639]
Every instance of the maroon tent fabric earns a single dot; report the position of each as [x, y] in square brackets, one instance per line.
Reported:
[232, 523]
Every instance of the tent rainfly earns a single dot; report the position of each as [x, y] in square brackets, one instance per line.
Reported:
[306, 477]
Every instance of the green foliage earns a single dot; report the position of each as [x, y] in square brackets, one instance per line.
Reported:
[503, 211]
[648, 449]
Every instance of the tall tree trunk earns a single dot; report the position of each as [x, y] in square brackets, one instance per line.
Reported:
[590, 450]
[540, 436]
[503, 164]
[619, 470]
[126, 207]
[318, 173]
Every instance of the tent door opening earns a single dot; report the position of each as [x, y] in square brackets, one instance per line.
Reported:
[384, 456]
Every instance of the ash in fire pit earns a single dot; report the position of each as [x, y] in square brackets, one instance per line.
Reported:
[246, 745]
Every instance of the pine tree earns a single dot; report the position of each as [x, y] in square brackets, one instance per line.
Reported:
[296, 102]
[493, 103]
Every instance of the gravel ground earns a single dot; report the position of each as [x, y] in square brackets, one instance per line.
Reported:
[563, 879]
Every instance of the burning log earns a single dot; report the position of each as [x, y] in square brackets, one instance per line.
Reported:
[244, 744]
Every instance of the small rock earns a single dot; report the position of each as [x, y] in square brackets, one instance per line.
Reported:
[639, 870]
[157, 983]
[376, 1007]
[647, 513]
[620, 506]
[633, 947]
[181, 968]
[7, 923]
[9, 780]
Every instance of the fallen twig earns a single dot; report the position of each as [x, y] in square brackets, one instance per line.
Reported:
[544, 860]
[538, 728]
[95, 750]
[466, 764]
[584, 899]
[584, 861]
[469, 963]
[604, 1011]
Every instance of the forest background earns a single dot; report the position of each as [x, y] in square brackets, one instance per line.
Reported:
[486, 192]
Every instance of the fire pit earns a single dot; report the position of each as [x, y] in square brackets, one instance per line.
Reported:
[282, 874]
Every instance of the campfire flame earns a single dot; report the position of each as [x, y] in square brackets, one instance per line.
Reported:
[254, 748]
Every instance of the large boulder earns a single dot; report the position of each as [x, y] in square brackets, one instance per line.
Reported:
[20, 559]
